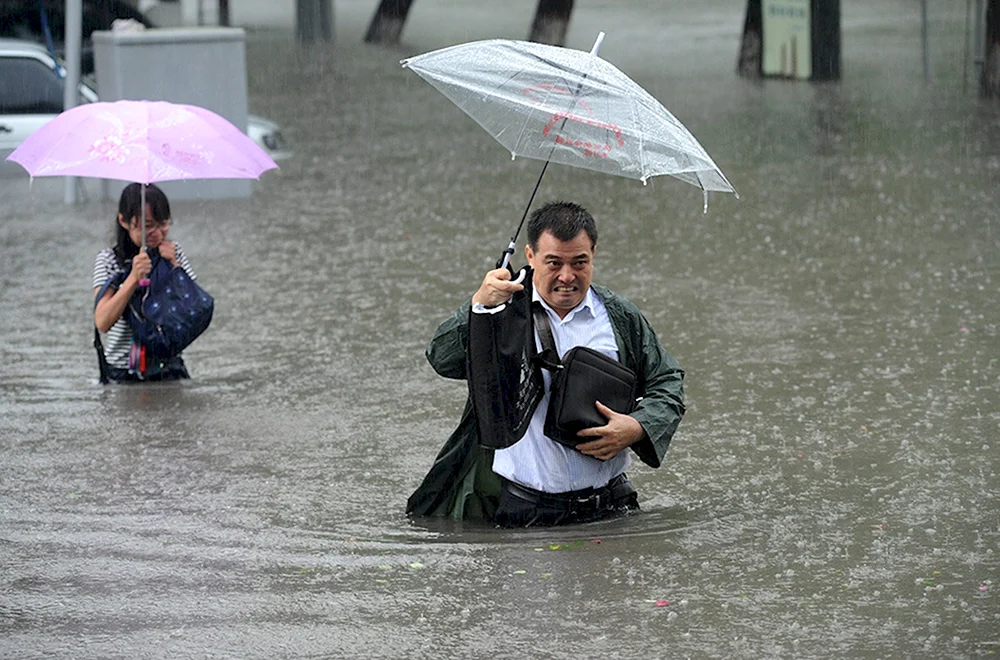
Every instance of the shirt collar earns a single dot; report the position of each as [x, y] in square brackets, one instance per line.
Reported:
[586, 305]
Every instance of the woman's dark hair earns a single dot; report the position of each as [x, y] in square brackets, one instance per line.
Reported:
[564, 220]
[129, 206]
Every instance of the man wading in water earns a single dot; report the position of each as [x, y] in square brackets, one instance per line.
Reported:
[538, 481]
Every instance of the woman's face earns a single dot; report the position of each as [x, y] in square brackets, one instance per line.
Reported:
[156, 232]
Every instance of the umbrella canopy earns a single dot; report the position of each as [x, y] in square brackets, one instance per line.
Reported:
[567, 106]
[141, 141]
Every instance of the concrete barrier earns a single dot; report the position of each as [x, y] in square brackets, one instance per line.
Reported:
[204, 66]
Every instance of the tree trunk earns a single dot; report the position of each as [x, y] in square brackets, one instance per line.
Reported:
[314, 20]
[825, 40]
[387, 23]
[989, 84]
[750, 62]
[551, 22]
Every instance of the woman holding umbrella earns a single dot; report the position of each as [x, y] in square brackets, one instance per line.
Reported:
[118, 271]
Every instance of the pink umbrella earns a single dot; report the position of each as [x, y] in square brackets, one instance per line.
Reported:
[141, 141]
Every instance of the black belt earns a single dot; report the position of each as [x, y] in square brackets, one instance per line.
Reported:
[581, 501]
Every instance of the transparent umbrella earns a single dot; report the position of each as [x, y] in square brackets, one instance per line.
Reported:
[570, 107]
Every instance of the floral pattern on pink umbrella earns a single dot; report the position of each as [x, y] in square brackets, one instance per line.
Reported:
[143, 141]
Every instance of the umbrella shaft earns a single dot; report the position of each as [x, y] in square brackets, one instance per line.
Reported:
[505, 258]
[142, 214]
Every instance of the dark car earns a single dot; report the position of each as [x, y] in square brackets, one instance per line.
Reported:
[42, 20]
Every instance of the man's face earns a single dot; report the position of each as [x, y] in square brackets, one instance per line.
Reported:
[563, 270]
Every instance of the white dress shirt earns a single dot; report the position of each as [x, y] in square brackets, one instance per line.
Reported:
[544, 464]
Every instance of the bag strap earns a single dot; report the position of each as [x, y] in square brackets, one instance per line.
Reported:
[102, 362]
[549, 357]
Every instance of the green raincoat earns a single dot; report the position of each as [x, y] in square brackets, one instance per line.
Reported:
[461, 483]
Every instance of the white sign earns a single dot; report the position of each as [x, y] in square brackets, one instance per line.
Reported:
[787, 38]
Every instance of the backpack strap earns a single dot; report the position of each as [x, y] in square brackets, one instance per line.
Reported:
[102, 362]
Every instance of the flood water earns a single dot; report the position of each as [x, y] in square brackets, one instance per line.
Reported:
[832, 491]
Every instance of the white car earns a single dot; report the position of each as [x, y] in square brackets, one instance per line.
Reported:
[31, 93]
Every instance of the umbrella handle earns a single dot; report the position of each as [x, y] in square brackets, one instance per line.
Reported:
[504, 261]
[144, 281]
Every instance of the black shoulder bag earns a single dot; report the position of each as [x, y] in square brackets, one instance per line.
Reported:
[580, 379]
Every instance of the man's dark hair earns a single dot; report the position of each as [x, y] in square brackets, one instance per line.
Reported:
[564, 220]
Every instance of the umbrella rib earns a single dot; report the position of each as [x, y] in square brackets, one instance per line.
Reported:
[642, 143]
[516, 74]
[524, 125]
[548, 95]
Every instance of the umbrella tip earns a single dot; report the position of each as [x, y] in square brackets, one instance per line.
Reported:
[597, 43]
[513, 155]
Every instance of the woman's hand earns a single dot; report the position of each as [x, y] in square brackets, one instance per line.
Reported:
[169, 252]
[112, 305]
[141, 265]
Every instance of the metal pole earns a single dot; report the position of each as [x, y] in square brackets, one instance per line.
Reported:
[979, 41]
[73, 40]
[923, 39]
[965, 59]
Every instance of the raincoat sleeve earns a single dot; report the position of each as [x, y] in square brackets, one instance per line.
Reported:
[461, 482]
[660, 379]
[446, 351]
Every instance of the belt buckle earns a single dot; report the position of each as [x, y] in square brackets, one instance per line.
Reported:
[593, 502]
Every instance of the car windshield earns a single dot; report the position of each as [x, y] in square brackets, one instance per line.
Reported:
[29, 87]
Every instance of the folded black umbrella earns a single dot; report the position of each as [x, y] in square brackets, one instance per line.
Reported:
[505, 385]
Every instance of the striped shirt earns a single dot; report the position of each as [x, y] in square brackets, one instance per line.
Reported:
[535, 460]
[119, 337]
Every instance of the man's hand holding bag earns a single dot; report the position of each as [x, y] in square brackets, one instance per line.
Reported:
[583, 377]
